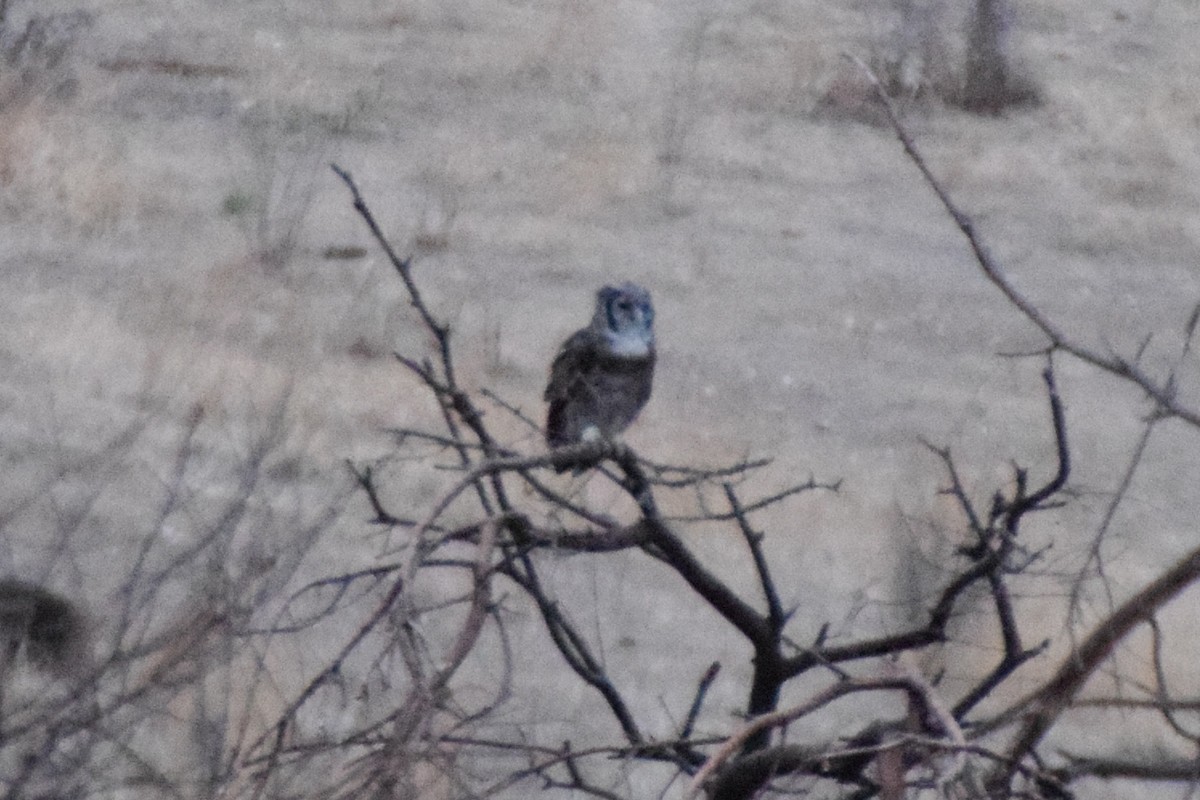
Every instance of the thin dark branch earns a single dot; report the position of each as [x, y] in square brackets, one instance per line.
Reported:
[404, 270]
[1176, 770]
[761, 503]
[933, 631]
[777, 719]
[578, 782]
[334, 667]
[1110, 512]
[1000, 673]
[1043, 708]
[1005, 615]
[554, 756]
[606, 540]
[339, 583]
[1140, 703]
[753, 539]
[448, 442]
[576, 652]
[365, 478]
[513, 410]
[1162, 394]
[449, 402]
[1160, 679]
[957, 491]
[672, 551]
[706, 681]
[692, 476]
[1036, 499]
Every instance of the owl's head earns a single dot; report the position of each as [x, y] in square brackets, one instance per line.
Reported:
[625, 316]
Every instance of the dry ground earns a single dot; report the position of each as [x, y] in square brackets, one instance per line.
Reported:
[168, 211]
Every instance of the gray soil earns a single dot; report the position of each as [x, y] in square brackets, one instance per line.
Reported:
[169, 232]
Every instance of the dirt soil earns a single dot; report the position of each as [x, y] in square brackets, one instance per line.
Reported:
[176, 248]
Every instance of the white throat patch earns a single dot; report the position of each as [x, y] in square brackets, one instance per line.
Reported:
[634, 344]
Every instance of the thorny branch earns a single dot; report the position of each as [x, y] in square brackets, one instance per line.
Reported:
[514, 527]
[1040, 711]
[1043, 708]
[497, 544]
[1163, 393]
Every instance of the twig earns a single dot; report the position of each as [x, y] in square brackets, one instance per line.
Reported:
[1110, 512]
[753, 541]
[1176, 770]
[575, 651]
[1044, 706]
[365, 478]
[761, 503]
[706, 681]
[1162, 692]
[933, 631]
[959, 493]
[1162, 394]
[778, 719]
[404, 269]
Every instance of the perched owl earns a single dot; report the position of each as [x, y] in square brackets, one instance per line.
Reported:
[602, 374]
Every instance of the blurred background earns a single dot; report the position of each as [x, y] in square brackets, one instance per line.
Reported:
[196, 330]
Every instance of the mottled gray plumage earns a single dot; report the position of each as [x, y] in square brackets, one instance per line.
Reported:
[603, 373]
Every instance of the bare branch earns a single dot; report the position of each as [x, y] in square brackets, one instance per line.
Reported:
[1160, 678]
[706, 681]
[1161, 393]
[785, 717]
[759, 504]
[775, 615]
[1107, 767]
[404, 270]
[1110, 512]
[1042, 709]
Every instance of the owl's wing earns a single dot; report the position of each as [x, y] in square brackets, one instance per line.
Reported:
[575, 360]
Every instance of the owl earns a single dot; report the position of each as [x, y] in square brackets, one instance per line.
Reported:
[602, 374]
